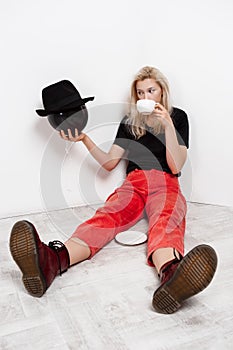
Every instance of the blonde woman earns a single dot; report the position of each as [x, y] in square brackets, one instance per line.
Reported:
[155, 146]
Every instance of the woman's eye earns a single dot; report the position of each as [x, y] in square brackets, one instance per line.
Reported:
[139, 93]
[151, 91]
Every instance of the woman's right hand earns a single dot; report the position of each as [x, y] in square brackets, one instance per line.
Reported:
[77, 137]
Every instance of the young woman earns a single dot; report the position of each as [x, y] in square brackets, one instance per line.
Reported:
[155, 146]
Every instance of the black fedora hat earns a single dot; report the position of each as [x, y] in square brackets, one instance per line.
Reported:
[61, 97]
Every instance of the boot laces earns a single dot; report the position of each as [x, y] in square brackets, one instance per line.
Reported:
[57, 245]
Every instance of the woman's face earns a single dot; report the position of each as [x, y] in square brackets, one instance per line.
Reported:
[148, 89]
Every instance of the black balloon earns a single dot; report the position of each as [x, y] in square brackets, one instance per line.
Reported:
[69, 120]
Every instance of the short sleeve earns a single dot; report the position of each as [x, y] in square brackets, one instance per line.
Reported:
[180, 120]
[122, 136]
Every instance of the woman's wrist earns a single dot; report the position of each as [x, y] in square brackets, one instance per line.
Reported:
[84, 137]
[87, 141]
[169, 125]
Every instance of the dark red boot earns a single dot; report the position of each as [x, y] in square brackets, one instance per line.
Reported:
[182, 279]
[38, 262]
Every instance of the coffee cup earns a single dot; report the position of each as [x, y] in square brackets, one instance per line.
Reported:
[145, 106]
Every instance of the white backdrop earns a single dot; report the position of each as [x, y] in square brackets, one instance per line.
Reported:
[99, 46]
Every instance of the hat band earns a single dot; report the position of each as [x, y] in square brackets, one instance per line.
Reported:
[64, 102]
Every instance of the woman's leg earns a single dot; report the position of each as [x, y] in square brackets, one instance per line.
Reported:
[163, 255]
[123, 208]
[78, 250]
[166, 210]
[40, 263]
[181, 277]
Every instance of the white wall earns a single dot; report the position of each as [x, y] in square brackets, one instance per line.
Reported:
[99, 46]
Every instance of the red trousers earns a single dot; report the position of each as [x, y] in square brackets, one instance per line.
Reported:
[153, 192]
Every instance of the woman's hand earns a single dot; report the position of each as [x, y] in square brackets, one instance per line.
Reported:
[163, 115]
[77, 137]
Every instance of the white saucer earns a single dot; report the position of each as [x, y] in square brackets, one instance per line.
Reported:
[131, 238]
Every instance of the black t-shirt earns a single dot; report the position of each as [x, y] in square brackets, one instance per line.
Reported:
[149, 151]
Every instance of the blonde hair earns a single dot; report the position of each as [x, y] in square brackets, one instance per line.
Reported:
[136, 120]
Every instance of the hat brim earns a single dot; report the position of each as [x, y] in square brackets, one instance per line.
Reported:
[75, 104]
[42, 112]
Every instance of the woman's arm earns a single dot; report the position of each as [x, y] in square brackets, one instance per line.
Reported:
[108, 160]
[175, 154]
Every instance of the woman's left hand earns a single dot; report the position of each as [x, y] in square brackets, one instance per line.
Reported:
[163, 115]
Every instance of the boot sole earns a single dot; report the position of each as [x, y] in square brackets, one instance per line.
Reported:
[24, 251]
[193, 274]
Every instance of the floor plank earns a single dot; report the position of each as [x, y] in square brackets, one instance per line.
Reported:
[105, 303]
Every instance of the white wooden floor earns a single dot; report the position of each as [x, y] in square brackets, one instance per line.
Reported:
[105, 303]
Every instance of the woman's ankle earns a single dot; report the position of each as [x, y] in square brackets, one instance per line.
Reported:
[78, 250]
[162, 256]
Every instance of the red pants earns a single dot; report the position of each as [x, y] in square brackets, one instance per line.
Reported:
[152, 191]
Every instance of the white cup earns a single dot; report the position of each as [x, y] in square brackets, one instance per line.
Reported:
[145, 106]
